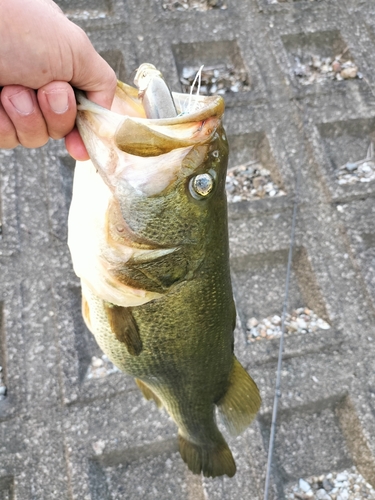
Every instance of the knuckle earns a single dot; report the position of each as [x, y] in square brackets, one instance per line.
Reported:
[57, 129]
[8, 136]
[32, 137]
[57, 135]
[8, 143]
[31, 131]
[31, 143]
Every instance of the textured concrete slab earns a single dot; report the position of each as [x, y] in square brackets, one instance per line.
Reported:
[66, 434]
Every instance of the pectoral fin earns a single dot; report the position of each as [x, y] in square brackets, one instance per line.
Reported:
[241, 402]
[124, 326]
[86, 312]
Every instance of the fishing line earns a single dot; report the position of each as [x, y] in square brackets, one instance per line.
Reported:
[198, 77]
[281, 345]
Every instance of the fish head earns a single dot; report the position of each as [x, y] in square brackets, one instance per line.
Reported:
[164, 180]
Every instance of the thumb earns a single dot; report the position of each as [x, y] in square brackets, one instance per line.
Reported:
[92, 73]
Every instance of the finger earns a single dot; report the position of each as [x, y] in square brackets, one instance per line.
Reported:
[8, 136]
[75, 146]
[21, 105]
[103, 98]
[92, 73]
[53, 5]
[58, 106]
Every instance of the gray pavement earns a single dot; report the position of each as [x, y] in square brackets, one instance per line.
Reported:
[64, 435]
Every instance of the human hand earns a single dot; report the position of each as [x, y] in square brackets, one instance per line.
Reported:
[41, 49]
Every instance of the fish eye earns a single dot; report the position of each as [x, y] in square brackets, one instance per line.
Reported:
[201, 186]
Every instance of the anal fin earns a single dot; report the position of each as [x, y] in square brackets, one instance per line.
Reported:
[241, 402]
[124, 326]
[147, 392]
[212, 461]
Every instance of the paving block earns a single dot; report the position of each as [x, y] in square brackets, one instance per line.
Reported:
[74, 427]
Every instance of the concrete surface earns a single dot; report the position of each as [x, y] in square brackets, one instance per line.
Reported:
[64, 436]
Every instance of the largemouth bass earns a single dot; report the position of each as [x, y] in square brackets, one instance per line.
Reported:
[148, 239]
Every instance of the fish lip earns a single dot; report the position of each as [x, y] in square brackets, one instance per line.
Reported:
[210, 106]
[213, 108]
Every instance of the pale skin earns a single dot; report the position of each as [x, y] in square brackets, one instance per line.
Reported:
[42, 56]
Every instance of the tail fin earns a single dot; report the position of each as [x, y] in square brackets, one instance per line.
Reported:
[241, 402]
[214, 461]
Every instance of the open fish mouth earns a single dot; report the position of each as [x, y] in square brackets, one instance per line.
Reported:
[115, 137]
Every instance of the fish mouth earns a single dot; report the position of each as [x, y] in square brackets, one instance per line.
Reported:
[127, 125]
[123, 142]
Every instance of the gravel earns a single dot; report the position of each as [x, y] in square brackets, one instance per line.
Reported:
[86, 14]
[100, 367]
[250, 182]
[320, 69]
[359, 171]
[301, 321]
[200, 5]
[287, 1]
[216, 79]
[3, 389]
[346, 485]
